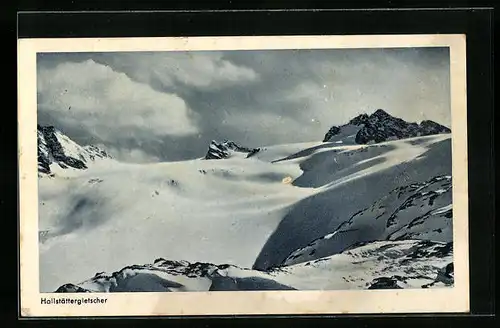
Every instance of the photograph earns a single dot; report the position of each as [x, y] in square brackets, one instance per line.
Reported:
[183, 169]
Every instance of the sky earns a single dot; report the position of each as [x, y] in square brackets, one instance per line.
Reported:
[168, 106]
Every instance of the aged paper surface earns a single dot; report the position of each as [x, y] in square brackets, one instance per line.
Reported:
[36, 304]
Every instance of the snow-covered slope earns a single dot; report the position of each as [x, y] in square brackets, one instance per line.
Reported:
[199, 210]
[375, 265]
[347, 179]
[58, 153]
[259, 213]
[416, 211]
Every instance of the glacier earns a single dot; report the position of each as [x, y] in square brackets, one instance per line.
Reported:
[315, 215]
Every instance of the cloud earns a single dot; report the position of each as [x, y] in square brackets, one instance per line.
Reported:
[399, 81]
[171, 70]
[241, 127]
[133, 155]
[108, 105]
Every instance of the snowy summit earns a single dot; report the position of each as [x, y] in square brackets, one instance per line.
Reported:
[57, 151]
[380, 126]
[226, 149]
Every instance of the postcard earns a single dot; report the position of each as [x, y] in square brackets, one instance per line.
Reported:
[243, 175]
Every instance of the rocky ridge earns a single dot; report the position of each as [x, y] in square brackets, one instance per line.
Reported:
[381, 126]
[55, 148]
[226, 149]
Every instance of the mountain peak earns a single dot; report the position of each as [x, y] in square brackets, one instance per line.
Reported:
[45, 127]
[381, 113]
[55, 148]
[226, 149]
[380, 126]
[358, 120]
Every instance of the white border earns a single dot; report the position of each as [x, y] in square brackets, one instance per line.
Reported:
[454, 299]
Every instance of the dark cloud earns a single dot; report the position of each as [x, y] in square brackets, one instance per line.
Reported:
[252, 97]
